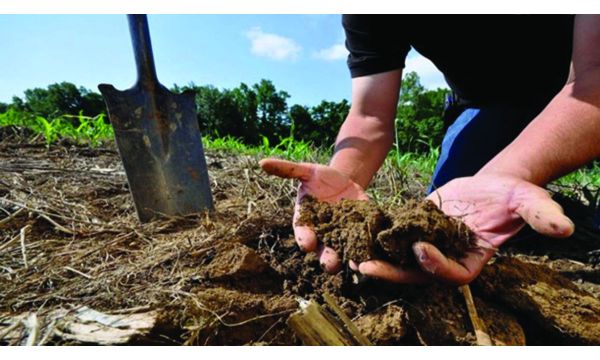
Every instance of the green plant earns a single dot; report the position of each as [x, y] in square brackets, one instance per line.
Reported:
[78, 128]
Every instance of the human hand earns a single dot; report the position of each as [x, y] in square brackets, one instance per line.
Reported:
[324, 183]
[495, 207]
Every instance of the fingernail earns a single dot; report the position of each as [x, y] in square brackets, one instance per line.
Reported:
[421, 253]
[424, 259]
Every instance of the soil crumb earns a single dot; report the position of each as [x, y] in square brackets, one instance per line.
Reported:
[361, 231]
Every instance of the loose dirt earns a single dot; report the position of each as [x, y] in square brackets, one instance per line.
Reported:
[235, 275]
[361, 231]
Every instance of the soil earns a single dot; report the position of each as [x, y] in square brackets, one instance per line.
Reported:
[361, 231]
[441, 318]
[568, 312]
[234, 276]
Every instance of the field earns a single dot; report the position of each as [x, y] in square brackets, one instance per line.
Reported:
[76, 266]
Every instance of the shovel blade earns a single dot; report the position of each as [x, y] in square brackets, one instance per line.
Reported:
[160, 145]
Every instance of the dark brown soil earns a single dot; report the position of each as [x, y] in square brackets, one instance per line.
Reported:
[440, 317]
[550, 300]
[360, 230]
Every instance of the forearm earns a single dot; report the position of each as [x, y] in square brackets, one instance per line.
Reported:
[361, 147]
[563, 137]
[367, 135]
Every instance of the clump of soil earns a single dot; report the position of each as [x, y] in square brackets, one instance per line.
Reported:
[245, 317]
[361, 231]
[440, 316]
[545, 297]
[503, 327]
[350, 227]
[385, 326]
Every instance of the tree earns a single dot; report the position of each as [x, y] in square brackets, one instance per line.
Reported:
[271, 110]
[328, 117]
[246, 100]
[419, 123]
[3, 107]
[60, 99]
[226, 112]
[92, 103]
[302, 124]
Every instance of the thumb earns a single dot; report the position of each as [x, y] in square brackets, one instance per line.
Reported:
[546, 216]
[287, 169]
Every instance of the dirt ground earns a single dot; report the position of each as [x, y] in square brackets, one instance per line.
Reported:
[69, 238]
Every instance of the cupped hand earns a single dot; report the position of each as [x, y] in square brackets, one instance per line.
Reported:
[495, 207]
[323, 183]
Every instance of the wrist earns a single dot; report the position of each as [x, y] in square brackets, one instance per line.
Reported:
[351, 168]
[497, 168]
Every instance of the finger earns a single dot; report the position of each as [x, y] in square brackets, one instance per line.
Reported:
[546, 217]
[385, 271]
[329, 259]
[287, 169]
[305, 238]
[433, 262]
[305, 235]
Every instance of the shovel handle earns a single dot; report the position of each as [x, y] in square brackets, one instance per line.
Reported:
[142, 49]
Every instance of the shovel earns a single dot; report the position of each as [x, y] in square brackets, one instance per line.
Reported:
[158, 138]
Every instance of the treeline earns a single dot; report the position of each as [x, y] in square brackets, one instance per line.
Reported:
[251, 112]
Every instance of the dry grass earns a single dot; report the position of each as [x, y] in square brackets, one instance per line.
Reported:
[84, 245]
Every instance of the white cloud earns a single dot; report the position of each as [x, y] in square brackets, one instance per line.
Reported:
[335, 52]
[272, 46]
[430, 76]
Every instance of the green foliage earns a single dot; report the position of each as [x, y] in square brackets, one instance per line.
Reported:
[271, 106]
[328, 117]
[255, 119]
[250, 113]
[421, 163]
[588, 176]
[246, 112]
[319, 124]
[287, 148]
[419, 124]
[60, 99]
[95, 130]
[80, 128]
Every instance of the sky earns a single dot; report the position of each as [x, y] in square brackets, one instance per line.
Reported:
[302, 54]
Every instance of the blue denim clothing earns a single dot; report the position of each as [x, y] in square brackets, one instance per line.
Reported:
[476, 136]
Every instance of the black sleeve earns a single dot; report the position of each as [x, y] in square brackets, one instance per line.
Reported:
[375, 44]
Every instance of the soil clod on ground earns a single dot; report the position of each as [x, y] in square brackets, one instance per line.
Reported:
[361, 231]
[544, 297]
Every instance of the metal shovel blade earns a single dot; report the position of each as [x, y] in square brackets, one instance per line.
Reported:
[158, 139]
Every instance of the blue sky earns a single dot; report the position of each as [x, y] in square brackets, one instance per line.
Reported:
[302, 54]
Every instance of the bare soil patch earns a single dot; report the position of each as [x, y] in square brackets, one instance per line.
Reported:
[234, 276]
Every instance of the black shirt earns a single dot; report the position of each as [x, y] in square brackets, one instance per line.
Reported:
[486, 59]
